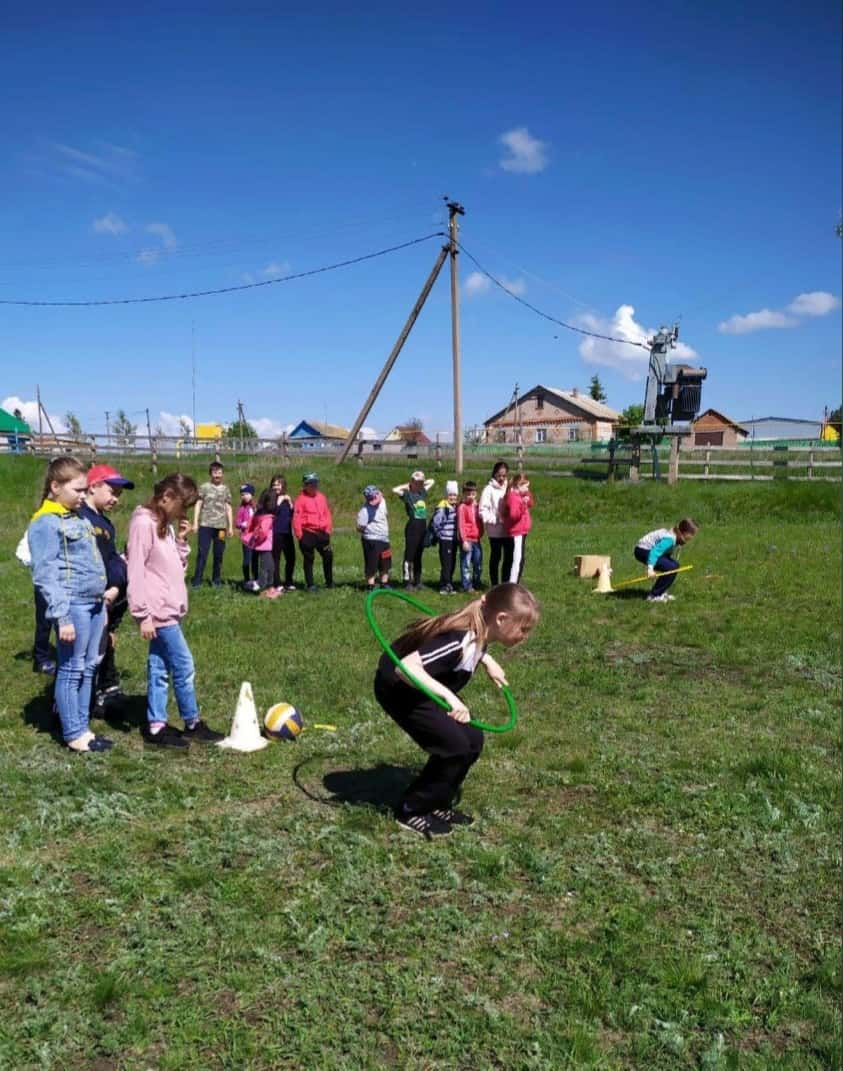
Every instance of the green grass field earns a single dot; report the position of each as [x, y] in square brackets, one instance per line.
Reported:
[652, 882]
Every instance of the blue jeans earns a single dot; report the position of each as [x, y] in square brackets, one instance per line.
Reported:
[169, 654]
[77, 663]
[471, 565]
[663, 565]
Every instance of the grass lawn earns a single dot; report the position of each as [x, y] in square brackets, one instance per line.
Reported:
[653, 881]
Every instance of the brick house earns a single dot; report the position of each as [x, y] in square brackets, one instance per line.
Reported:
[712, 428]
[551, 415]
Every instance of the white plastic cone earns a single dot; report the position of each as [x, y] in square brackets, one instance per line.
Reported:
[604, 581]
[245, 732]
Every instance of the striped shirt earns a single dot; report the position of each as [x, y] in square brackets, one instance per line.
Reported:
[449, 657]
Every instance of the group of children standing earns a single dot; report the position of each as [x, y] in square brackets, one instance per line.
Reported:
[85, 587]
[269, 527]
[457, 526]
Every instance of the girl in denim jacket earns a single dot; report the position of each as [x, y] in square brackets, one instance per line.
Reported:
[68, 570]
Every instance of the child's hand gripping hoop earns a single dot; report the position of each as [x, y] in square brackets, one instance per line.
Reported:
[379, 636]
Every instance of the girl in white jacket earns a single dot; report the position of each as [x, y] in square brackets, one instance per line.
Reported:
[500, 544]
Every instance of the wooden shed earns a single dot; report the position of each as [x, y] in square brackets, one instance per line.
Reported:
[712, 428]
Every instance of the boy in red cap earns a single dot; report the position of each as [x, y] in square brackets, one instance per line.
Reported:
[105, 485]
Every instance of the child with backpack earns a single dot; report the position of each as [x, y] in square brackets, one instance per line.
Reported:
[444, 531]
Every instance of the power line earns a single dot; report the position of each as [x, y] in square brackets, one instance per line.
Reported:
[533, 275]
[539, 312]
[230, 289]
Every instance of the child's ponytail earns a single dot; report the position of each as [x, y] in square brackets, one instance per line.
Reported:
[179, 486]
[61, 470]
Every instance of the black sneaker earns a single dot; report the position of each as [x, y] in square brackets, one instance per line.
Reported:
[48, 667]
[313, 590]
[166, 737]
[100, 743]
[453, 818]
[200, 731]
[425, 825]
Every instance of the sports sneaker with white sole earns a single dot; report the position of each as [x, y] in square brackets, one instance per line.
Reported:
[658, 598]
[453, 818]
[425, 825]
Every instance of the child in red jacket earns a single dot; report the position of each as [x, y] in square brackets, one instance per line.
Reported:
[312, 527]
[470, 528]
[515, 511]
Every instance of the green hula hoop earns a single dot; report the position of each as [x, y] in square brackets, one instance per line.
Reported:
[379, 636]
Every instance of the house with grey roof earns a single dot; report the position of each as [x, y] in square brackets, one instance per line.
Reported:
[552, 415]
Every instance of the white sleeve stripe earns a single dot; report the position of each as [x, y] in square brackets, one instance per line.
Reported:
[441, 652]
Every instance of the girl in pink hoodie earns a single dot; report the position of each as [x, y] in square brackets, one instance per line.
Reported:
[157, 558]
[515, 513]
[259, 536]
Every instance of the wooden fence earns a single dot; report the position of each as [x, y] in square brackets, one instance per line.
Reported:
[765, 463]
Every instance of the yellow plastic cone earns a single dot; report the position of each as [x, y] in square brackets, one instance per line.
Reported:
[604, 581]
[245, 732]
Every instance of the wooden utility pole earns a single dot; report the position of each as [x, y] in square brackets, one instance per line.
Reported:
[40, 424]
[391, 359]
[42, 410]
[454, 210]
[241, 420]
[153, 446]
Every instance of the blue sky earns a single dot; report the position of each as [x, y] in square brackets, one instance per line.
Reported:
[672, 159]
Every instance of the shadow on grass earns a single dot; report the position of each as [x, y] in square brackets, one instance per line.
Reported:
[381, 786]
[124, 715]
[38, 713]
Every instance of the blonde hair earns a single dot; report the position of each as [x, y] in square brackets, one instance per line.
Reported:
[516, 481]
[61, 470]
[503, 599]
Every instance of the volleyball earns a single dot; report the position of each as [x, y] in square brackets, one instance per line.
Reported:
[283, 722]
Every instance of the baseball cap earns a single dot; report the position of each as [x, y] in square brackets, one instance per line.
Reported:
[310, 477]
[247, 489]
[369, 491]
[417, 475]
[106, 474]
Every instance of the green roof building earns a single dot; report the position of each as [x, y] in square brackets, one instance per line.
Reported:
[14, 430]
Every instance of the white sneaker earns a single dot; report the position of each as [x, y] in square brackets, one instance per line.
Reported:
[657, 598]
[669, 598]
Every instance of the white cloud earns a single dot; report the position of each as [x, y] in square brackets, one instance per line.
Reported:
[148, 256]
[110, 224]
[368, 433]
[526, 154]
[515, 286]
[267, 428]
[171, 423]
[110, 164]
[815, 303]
[476, 283]
[274, 269]
[755, 321]
[29, 412]
[630, 361]
[164, 232]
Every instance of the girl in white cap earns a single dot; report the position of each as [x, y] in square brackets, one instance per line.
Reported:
[445, 529]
